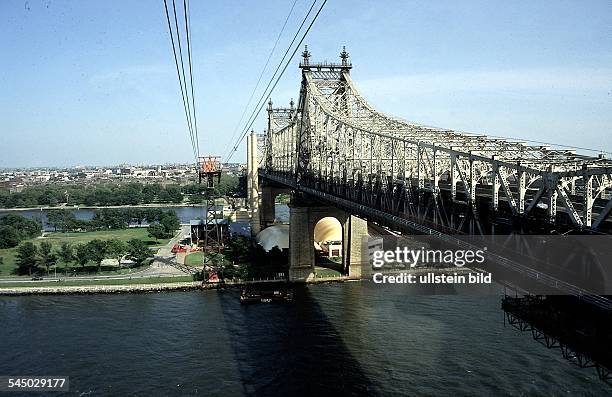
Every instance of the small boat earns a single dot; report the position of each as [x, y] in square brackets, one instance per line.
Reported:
[249, 295]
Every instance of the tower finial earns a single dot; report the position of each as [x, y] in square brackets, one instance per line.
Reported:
[344, 56]
[291, 103]
[306, 55]
[270, 105]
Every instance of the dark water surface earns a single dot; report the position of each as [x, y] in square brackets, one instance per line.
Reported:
[335, 339]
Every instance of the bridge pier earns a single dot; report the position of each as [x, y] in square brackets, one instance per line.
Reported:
[302, 222]
[261, 197]
[353, 232]
[253, 183]
[267, 211]
[267, 204]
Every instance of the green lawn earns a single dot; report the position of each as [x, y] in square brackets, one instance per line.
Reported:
[148, 280]
[194, 259]
[56, 238]
[140, 233]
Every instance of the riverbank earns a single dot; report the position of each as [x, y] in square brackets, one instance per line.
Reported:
[100, 289]
[133, 286]
[161, 284]
[93, 207]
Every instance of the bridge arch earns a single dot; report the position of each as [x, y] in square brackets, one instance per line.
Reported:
[303, 229]
[328, 244]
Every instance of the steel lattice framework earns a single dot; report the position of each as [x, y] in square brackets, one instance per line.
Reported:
[334, 137]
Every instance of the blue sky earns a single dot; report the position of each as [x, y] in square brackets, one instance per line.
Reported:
[93, 82]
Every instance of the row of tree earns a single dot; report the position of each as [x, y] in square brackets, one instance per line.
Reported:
[165, 226]
[32, 258]
[132, 193]
[247, 259]
[15, 228]
[108, 218]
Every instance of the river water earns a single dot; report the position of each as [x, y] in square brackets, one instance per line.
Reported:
[335, 339]
[184, 213]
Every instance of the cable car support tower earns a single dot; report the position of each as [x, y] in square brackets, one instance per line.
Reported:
[209, 173]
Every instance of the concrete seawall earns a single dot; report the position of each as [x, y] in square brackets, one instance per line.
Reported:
[101, 289]
[144, 288]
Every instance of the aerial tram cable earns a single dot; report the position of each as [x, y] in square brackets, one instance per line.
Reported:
[178, 36]
[258, 110]
[195, 119]
[261, 75]
[182, 86]
[264, 95]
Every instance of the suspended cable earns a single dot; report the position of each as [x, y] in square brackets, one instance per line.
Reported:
[245, 131]
[195, 119]
[178, 39]
[264, 94]
[182, 87]
[261, 75]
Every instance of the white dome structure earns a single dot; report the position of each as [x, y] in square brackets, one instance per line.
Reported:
[274, 236]
[328, 229]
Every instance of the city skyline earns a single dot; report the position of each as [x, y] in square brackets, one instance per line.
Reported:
[100, 91]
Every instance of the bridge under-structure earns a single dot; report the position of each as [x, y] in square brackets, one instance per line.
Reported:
[338, 155]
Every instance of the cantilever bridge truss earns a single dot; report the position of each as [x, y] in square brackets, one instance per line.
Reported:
[333, 141]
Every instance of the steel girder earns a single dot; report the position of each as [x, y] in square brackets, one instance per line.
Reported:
[336, 136]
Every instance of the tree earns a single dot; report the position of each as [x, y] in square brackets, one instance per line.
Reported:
[170, 222]
[9, 237]
[157, 231]
[54, 219]
[61, 219]
[152, 214]
[116, 249]
[66, 252]
[15, 228]
[47, 256]
[228, 185]
[163, 196]
[150, 191]
[238, 249]
[138, 251]
[82, 254]
[98, 250]
[27, 258]
[174, 193]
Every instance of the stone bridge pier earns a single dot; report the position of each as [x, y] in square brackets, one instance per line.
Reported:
[267, 206]
[302, 222]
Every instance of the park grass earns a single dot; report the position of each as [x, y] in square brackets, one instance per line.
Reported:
[139, 233]
[194, 259]
[8, 264]
[74, 283]
[8, 260]
[325, 272]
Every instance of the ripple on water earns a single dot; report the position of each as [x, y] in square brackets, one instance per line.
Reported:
[346, 339]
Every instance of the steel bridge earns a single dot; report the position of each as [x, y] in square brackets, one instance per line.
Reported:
[335, 146]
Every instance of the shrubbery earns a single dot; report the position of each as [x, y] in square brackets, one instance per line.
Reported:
[15, 228]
